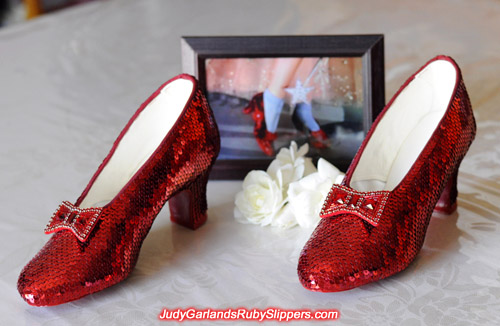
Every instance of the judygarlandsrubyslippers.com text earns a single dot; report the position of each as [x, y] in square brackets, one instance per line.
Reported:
[260, 315]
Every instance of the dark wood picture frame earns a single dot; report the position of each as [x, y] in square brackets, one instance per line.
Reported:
[370, 48]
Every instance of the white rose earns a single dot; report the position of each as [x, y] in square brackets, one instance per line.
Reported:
[285, 218]
[260, 200]
[291, 165]
[306, 196]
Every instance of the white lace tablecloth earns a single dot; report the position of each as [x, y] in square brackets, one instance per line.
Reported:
[69, 81]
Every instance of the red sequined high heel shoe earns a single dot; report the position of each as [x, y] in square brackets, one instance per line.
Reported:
[165, 152]
[263, 137]
[318, 139]
[374, 223]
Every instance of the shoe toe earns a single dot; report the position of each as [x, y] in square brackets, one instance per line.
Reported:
[29, 292]
[57, 274]
[36, 287]
[339, 256]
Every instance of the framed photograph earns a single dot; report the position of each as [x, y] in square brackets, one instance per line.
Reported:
[267, 91]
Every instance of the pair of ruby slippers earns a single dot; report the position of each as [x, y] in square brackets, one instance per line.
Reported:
[265, 139]
[373, 224]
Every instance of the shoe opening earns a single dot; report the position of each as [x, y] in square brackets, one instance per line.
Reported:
[140, 141]
[406, 128]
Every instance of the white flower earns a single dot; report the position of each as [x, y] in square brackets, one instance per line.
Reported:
[285, 218]
[306, 196]
[260, 200]
[290, 165]
[291, 192]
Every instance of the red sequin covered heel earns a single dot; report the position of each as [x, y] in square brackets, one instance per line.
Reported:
[189, 207]
[374, 223]
[165, 152]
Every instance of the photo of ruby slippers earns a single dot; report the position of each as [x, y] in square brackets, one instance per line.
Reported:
[165, 152]
[265, 138]
[373, 225]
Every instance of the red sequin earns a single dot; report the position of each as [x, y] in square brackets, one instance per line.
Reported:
[346, 251]
[90, 252]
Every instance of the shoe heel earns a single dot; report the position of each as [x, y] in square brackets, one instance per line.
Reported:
[447, 203]
[189, 206]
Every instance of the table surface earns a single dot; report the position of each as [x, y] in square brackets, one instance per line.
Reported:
[69, 81]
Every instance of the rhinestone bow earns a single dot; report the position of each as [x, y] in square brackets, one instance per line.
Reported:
[367, 205]
[80, 221]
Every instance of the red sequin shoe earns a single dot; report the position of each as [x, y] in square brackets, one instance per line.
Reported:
[165, 152]
[374, 223]
[319, 139]
[263, 137]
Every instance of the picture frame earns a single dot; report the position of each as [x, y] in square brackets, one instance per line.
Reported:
[230, 68]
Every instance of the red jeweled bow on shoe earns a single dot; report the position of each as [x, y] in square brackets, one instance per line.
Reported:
[367, 205]
[80, 221]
